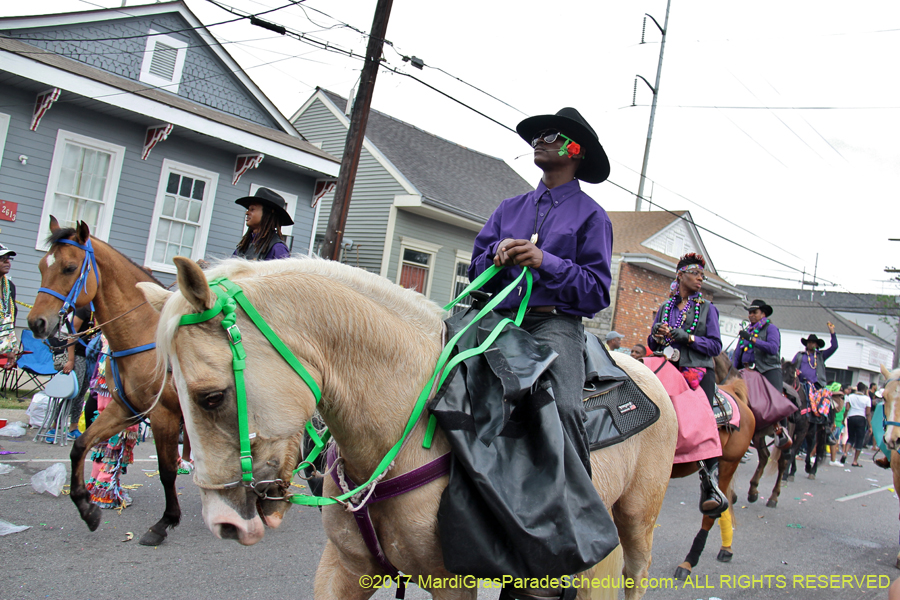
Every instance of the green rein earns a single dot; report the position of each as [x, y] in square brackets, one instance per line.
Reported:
[230, 296]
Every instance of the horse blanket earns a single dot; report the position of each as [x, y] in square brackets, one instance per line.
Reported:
[767, 404]
[698, 435]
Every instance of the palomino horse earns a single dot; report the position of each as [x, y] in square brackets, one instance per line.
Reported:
[797, 426]
[892, 423]
[734, 445]
[370, 346]
[128, 322]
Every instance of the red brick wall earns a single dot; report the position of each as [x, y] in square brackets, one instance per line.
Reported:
[635, 310]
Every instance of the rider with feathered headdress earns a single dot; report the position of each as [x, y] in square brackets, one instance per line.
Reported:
[689, 325]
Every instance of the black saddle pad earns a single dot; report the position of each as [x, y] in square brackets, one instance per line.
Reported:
[616, 407]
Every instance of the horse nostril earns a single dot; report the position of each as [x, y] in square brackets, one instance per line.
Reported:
[228, 531]
[38, 326]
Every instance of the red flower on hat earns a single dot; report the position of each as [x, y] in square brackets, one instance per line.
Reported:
[573, 148]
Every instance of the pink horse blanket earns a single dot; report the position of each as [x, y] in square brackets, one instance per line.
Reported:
[698, 435]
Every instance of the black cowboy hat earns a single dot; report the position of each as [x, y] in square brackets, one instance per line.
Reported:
[267, 197]
[761, 305]
[813, 338]
[595, 166]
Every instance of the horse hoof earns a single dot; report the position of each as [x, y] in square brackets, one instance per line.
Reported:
[752, 497]
[92, 518]
[151, 538]
[898, 562]
[724, 556]
[772, 503]
[733, 498]
[789, 478]
[811, 476]
[681, 573]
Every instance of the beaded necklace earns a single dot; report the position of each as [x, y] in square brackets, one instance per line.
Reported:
[692, 302]
[814, 363]
[754, 334]
[5, 297]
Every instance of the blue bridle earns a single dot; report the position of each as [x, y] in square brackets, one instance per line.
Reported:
[90, 263]
[894, 423]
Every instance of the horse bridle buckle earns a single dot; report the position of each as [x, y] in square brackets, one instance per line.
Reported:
[233, 336]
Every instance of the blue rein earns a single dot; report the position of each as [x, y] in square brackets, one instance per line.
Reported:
[90, 262]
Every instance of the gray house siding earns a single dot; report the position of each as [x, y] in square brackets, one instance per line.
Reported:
[448, 237]
[373, 193]
[118, 47]
[136, 194]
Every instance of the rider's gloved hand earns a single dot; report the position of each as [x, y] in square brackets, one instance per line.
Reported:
[744, 334]
[679, 336]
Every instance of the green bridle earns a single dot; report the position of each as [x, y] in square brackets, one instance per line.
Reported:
[230, 296]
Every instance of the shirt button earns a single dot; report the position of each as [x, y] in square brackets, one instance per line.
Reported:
[542, 214]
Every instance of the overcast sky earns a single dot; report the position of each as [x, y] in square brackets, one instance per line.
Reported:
[779, 117]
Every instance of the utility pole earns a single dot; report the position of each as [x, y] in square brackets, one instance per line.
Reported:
[331, 248]
[655, 90]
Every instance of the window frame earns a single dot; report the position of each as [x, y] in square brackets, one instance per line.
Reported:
[407, 243]
[149, 78]
[462, 257]
[206, 212]
[112, 182]
[4, 130]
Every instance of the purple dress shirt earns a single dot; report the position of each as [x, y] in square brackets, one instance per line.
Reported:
[771, 345]
[709, 344]
[808, 363]
[575, 235]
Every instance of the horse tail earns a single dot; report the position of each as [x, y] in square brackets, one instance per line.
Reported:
[774, 458]
[609, 569]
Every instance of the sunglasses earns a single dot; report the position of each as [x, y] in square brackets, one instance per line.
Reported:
[548, 137]
[696, 273]
[6, 258]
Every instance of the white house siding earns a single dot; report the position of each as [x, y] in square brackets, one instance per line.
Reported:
[885, 326]
[373, 193]
[448, 237]
[136, 194]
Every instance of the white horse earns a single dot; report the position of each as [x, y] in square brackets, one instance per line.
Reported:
[371, 347]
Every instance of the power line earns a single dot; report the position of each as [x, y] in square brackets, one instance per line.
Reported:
[704, 106]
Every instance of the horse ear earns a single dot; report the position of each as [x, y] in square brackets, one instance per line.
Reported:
[885, 372]
[193, 285]
[155, 295]
[54, 224]
[83, 233]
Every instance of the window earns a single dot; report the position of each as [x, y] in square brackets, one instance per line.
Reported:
[416, 264]
[180, 225]
[870, 328]
[84, 178]
[461, 280]
[4, 128]
[676, 244]
[163, 61]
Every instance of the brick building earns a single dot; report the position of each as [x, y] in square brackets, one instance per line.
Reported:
[646, 249]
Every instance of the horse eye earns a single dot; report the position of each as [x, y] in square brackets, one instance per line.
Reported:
[69, 269]
[211, 400]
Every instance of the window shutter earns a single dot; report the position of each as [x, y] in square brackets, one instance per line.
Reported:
[162, 64]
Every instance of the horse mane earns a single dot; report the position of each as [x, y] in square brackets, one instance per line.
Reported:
[408, 304]
[65, 233]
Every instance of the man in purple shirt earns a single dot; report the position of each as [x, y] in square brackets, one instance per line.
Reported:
[565, 238]
[811, 362]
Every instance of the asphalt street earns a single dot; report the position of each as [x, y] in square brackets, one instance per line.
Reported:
[821, 542]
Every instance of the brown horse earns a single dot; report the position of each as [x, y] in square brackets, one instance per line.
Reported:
[891, 427]
[370, 346]
[734, 445]
[128, 322]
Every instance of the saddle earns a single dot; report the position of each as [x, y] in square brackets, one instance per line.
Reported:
[722, 408]
[616, 407]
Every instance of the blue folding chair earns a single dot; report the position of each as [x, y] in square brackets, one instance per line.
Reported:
[33, 366]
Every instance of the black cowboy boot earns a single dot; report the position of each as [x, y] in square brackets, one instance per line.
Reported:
[712, 501]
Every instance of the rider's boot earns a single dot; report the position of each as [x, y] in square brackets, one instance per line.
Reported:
[712, 501]
[782, 439]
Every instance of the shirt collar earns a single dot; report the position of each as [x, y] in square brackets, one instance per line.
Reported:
[558, 194]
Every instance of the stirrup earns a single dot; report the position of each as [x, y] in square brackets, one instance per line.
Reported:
[783, 440]
[709, 488]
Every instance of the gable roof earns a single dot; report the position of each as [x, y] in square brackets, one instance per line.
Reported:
[179, 7]
[447, 175]
[115, 94]
[875, 304]
[809, 317]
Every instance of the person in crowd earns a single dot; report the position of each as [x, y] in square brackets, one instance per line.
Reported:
[689, 324]
[614, 342]
[638, 351]
[70, 356]
[837, 427]
[859, 421]
[565, 238]
[8, 343]
[266, 215]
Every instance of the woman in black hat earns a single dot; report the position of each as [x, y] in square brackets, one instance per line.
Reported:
[266, 215]
[760, 345]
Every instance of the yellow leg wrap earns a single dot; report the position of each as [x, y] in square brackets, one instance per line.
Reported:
[726, 525]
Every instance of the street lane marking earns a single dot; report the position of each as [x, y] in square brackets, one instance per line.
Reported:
[861, 494]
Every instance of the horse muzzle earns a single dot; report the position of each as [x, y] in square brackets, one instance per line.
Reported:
[43, 327]
[225, 522]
